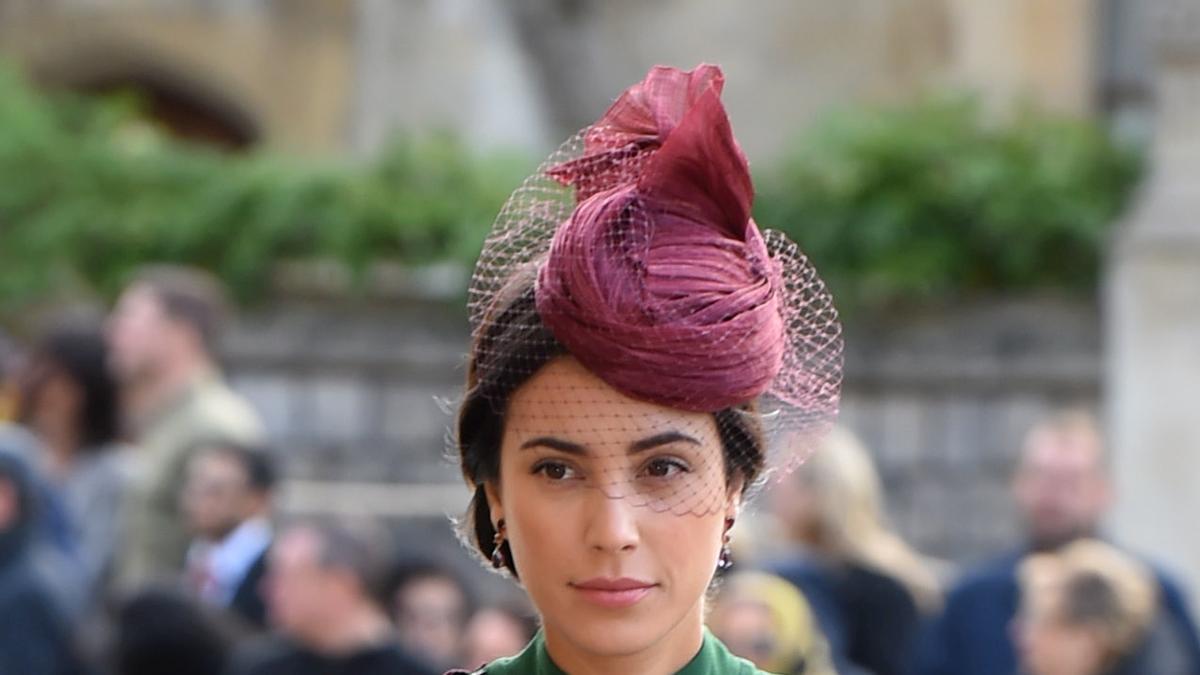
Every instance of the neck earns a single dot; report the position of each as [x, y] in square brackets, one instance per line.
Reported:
[665, 656]
[175, 375]
[358, 626]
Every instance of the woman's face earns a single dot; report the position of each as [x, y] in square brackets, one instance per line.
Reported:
[614, 509]
[1048, 644]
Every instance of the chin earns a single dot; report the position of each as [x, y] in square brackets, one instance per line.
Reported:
[616, 635]
[617, 632]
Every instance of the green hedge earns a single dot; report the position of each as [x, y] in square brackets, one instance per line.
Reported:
[931, 201]
[88, 192]
[925, 201]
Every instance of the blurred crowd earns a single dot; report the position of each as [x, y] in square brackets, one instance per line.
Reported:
[138, 528]
[139, 534]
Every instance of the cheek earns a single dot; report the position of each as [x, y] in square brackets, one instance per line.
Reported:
[685, 547]
[542, 530]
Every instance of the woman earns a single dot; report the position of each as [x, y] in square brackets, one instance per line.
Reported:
[642, 357]
[69, 401]
[497, 630]
[1084, 611]
[869, 588]
[765, 619]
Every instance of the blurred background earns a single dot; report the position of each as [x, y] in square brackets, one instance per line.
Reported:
[1001, 194]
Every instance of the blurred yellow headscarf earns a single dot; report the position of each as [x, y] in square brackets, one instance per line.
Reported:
[796, 644]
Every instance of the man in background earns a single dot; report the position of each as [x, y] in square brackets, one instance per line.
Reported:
[163, 336]
[1062, 491]
[430, 606]
[227, 503]
[323, 597]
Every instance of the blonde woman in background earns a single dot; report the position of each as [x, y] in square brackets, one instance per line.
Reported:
[868, 587]
[1084, 610]
[765, 619]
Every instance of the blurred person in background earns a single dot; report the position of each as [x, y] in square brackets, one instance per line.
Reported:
[163, 336]
[9, 355]
[497, 630]
[867, 586]
[69, 402]
[1084, 610]
[1062, 491]
[34, 635]
[160, 631]
[430, 607]
[322, 596]
[765, 619]
[227, 503]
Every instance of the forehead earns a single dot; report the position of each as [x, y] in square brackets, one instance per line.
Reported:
[297, 547]
[139, 299]
[213, 463]
[565, 399]
[1060, 452]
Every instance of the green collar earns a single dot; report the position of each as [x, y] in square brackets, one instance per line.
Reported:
[712, 659]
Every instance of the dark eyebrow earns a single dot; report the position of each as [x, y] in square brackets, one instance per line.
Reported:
[661, 439]
[643, 445]
[555, 444]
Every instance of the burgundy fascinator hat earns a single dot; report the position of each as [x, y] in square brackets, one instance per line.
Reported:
[647, 267]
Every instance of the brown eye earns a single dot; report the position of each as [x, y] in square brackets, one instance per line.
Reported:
[555, 471]
[665, 467]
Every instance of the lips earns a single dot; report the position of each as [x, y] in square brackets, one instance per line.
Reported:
[614, 593]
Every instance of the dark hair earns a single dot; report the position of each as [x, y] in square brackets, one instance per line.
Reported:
[514, 345]
[162, 631]
[410, 570]
[517, 611]
[256, 461]
[352, 547]
[191, 296]
[78, 350]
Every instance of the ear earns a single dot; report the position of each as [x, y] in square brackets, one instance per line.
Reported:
[491, 489]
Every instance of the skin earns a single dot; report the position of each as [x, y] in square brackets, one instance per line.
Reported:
[324, 608]
[217, 495]
[57, 409]
[796, 504]
[1061, 487]
[429, 618]
[748, 630]
[153, 354]
[10, 507]
[594, 484]
[492, 634]
[1051, 646]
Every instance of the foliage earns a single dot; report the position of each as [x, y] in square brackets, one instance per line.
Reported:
[917, 202]
[90, 192]
[932, 200]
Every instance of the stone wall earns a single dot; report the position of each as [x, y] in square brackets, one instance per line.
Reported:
[357, 396]
[280, 69]
[1153, 357]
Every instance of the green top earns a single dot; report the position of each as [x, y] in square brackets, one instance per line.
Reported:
[712, 659]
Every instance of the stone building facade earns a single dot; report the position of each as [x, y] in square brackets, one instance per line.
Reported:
[336, 75]
[351, 390]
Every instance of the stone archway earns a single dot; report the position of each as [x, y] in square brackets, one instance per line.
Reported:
[183, 112]
[179, 101]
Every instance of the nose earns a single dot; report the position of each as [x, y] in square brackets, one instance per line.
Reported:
[611, 523]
